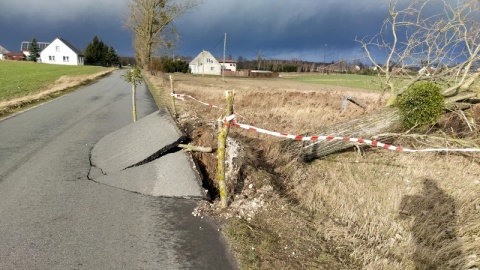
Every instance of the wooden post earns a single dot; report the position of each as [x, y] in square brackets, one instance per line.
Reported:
[221, 148]
[134, 93]
[173, 98]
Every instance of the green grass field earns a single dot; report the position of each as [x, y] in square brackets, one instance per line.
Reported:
[348, 80]
[18, 79]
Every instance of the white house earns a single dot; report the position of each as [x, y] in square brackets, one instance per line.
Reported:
[61, 52]
[205, 63]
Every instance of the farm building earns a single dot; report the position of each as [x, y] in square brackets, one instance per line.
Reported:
[17, 56]
[206, 63]
[61, 52]
[230, 65]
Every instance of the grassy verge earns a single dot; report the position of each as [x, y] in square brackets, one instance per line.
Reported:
[22, 78]
[25, 84]
[369, 209]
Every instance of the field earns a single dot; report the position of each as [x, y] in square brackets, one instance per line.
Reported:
[24, 83]
[348, 80]
[366, 208]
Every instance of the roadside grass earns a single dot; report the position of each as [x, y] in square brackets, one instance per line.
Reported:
[26, 84]
[19, 79]
[361, 209]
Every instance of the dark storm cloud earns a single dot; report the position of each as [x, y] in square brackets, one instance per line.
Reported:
[282, 29]
[76, 21]
[278, 28]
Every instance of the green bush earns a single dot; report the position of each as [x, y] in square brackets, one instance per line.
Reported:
[421, 104]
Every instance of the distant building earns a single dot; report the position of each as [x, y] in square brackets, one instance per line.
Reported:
[61, 52]
[3, 53]
[205, 63]
[230, 65]
[25, 47]
[18, 56]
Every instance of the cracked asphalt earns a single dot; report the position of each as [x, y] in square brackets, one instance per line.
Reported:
[53, 217]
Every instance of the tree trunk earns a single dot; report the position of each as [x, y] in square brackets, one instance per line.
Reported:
[365, 126]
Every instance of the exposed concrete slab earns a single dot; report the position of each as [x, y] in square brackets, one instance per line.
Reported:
[138, 142]
[172, 175]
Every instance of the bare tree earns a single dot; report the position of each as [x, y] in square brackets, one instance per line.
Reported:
[151, 24]
[442, 36]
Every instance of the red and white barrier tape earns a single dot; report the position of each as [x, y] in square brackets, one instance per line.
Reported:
[230, 121]
[183, 96]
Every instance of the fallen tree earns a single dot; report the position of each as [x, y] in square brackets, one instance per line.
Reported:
[418, 45]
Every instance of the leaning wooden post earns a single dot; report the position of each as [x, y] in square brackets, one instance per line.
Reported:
[133, 76]
[173, 97]
[134, 93]
[223, 129]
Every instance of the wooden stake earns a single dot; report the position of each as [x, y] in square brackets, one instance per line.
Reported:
[134, 102]
[222, 145]
[189, 147]
[173, 98]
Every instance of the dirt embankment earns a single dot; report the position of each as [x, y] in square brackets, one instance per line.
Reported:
[366, 208]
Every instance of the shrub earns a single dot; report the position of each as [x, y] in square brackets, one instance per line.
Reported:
[421, 104]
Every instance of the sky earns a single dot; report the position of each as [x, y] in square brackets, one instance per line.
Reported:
[310, 30]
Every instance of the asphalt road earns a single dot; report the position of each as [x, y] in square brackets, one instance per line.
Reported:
[53, 217]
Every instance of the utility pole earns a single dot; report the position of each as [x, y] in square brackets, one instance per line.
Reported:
[224, 48]
[324, 56]
[259, 60]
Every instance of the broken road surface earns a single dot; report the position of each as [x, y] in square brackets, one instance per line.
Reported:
[139, 158]
[54, 217]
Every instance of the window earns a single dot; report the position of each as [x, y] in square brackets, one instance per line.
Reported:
[212, 68]
[65, 59]
[57, 48]
[51, 58]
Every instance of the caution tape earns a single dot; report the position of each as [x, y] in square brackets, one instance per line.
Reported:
[183, 96]
[230, 121]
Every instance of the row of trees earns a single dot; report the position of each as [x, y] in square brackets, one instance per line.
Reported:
[293, 65]
[168, 65]
[98, 53]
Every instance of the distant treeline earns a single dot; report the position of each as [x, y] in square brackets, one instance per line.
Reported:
[296, 65]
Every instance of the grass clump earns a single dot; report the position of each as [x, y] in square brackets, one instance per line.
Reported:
[422, 104]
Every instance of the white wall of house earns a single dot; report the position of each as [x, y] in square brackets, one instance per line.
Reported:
[205, 63]
[229, 65]
[59, 53]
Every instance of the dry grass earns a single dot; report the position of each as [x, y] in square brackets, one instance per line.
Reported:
[357, 210]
